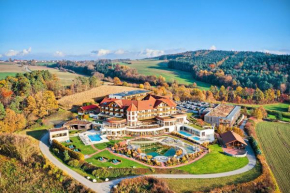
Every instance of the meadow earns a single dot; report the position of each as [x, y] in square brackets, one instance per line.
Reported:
[11, 69]
[91, 95]
[275, 142]
[65, 77]
[159, 67]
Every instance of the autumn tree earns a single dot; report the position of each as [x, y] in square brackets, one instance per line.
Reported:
[147, 85]
[12, 122]
[117, 81]
[2, 111]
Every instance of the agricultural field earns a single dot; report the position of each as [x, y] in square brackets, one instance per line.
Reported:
[91, 95]
[274, 139]
[45, 63]
[65, 77]
[159, 67]
[11, 69]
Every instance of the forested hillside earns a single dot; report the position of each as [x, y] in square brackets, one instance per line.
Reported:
[230, 68]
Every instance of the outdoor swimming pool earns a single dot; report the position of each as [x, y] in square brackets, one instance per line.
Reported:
[95, 137]
[196, 138]
[185, 133]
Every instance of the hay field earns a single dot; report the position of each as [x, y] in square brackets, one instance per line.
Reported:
[275, 141]
[92, 94]
[9, 69]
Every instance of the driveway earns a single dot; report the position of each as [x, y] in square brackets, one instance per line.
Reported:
[105, 187]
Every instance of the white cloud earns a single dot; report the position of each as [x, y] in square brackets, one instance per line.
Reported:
[102, 52]
[26, 51]
[120, 52]
[212, 47]
[59, 54]
[18, 53]
[11, 53]
[0, 55]
[151, 53]
[278, 52]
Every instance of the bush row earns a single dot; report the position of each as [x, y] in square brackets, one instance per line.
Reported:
[62, 148]
[255, 145]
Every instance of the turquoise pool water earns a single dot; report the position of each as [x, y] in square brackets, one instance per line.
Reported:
[154, 154]
[95, 137]
[185, 133]
[196, 138]
[171, 152]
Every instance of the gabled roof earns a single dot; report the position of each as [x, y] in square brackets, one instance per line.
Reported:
[132, 107]
[231, 136]
[148, 103]
[89, 107]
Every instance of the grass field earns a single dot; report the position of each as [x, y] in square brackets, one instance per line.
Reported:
[205, 185]
[10, 69]
[215, 162]
[275, 141]
[65, 77]
[92, 94]
[45, 63]
[124, 164]
[159, 67]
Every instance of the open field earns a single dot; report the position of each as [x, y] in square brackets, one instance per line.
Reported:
[92, 94]
[124, 164]
[192, 185]
[10, 69]
[65, 77]
[45, 63]
[159, 67]
[215, 162]
[275, 142]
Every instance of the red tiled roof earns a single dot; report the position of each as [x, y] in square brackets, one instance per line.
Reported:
[149, 102]
[132, 107]
[231, 136]
[89, 107]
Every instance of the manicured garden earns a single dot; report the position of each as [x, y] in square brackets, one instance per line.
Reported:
[125, 163]
[215, 162]
[84, 149]
[105, 145]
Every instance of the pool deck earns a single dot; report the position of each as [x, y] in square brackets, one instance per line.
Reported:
[87, 141]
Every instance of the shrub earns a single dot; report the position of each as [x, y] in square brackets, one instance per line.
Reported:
[142, 184]
[74, 163]
[62, 148]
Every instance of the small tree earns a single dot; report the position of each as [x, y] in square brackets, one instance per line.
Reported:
[66, 156]
[117, 81]
[139, 150]
[279, 116]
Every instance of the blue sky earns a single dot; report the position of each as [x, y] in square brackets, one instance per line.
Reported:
[136, 29]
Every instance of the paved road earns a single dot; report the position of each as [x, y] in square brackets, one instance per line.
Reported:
[106, 186]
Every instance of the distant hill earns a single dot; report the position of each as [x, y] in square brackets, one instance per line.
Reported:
[231, 68]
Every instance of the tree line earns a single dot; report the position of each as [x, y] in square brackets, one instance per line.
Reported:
[229, 68]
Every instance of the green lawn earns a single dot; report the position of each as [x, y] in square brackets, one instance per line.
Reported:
[85, 149]
[215, 162]
[106, 144]
[124, 164]
[205, 185]
[159, 67]
[275, 142]
[3, 75]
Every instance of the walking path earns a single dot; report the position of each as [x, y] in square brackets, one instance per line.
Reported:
[105, 187]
